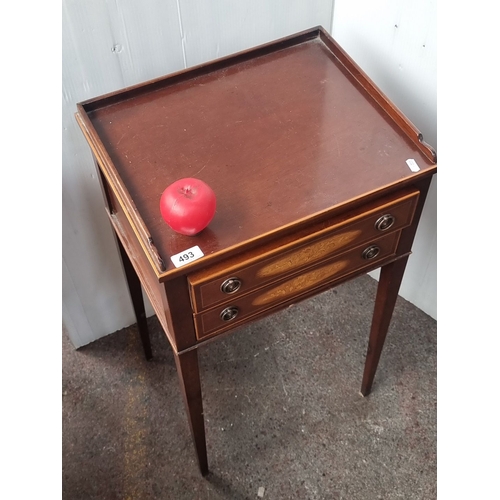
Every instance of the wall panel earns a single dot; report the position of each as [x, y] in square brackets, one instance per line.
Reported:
[394, 42]
[216, 28]
[105, 46]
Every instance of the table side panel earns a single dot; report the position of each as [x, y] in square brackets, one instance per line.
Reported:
[153, 288]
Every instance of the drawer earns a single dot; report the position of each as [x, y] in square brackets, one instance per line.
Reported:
[233, 278]
[228, 315]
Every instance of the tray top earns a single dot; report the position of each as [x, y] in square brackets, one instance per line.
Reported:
[280, 137]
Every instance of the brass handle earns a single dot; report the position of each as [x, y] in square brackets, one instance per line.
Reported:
[231, 285]
[371, 252]
[385, 222]
[229, 313]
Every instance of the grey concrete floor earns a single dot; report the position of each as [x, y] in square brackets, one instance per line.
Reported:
[282, 407]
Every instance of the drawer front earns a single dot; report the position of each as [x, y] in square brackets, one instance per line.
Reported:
[225, 283]
[228, 315]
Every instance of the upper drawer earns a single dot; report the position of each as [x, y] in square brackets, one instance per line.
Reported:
[224, 282]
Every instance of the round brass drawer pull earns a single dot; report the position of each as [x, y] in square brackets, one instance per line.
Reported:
[231, 285]
[385, 222]
[371, 252]
[229, 313]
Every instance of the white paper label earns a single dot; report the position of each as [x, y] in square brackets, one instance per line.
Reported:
[413, 165]
[187, 256]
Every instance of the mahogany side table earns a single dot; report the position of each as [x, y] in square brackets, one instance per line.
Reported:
[319, 178]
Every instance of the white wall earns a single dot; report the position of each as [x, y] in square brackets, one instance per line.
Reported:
[394, 41]
[109, 45]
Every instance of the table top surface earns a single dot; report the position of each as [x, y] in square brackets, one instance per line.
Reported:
[282, 136]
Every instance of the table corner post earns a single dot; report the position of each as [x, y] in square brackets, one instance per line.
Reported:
[189, 378]
[391, 276]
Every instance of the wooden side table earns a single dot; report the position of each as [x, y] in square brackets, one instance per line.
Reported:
[319, 178]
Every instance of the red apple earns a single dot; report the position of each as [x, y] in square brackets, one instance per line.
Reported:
[188, 206]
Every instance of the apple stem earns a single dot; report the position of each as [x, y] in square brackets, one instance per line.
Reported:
[187, 191]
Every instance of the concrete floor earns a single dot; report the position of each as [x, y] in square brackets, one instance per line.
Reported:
[282, 407]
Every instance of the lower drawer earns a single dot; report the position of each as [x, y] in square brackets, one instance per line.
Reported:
[224, 317]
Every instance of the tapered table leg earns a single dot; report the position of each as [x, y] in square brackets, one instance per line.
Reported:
[189, 377]
[134, 286]
[391, 276]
